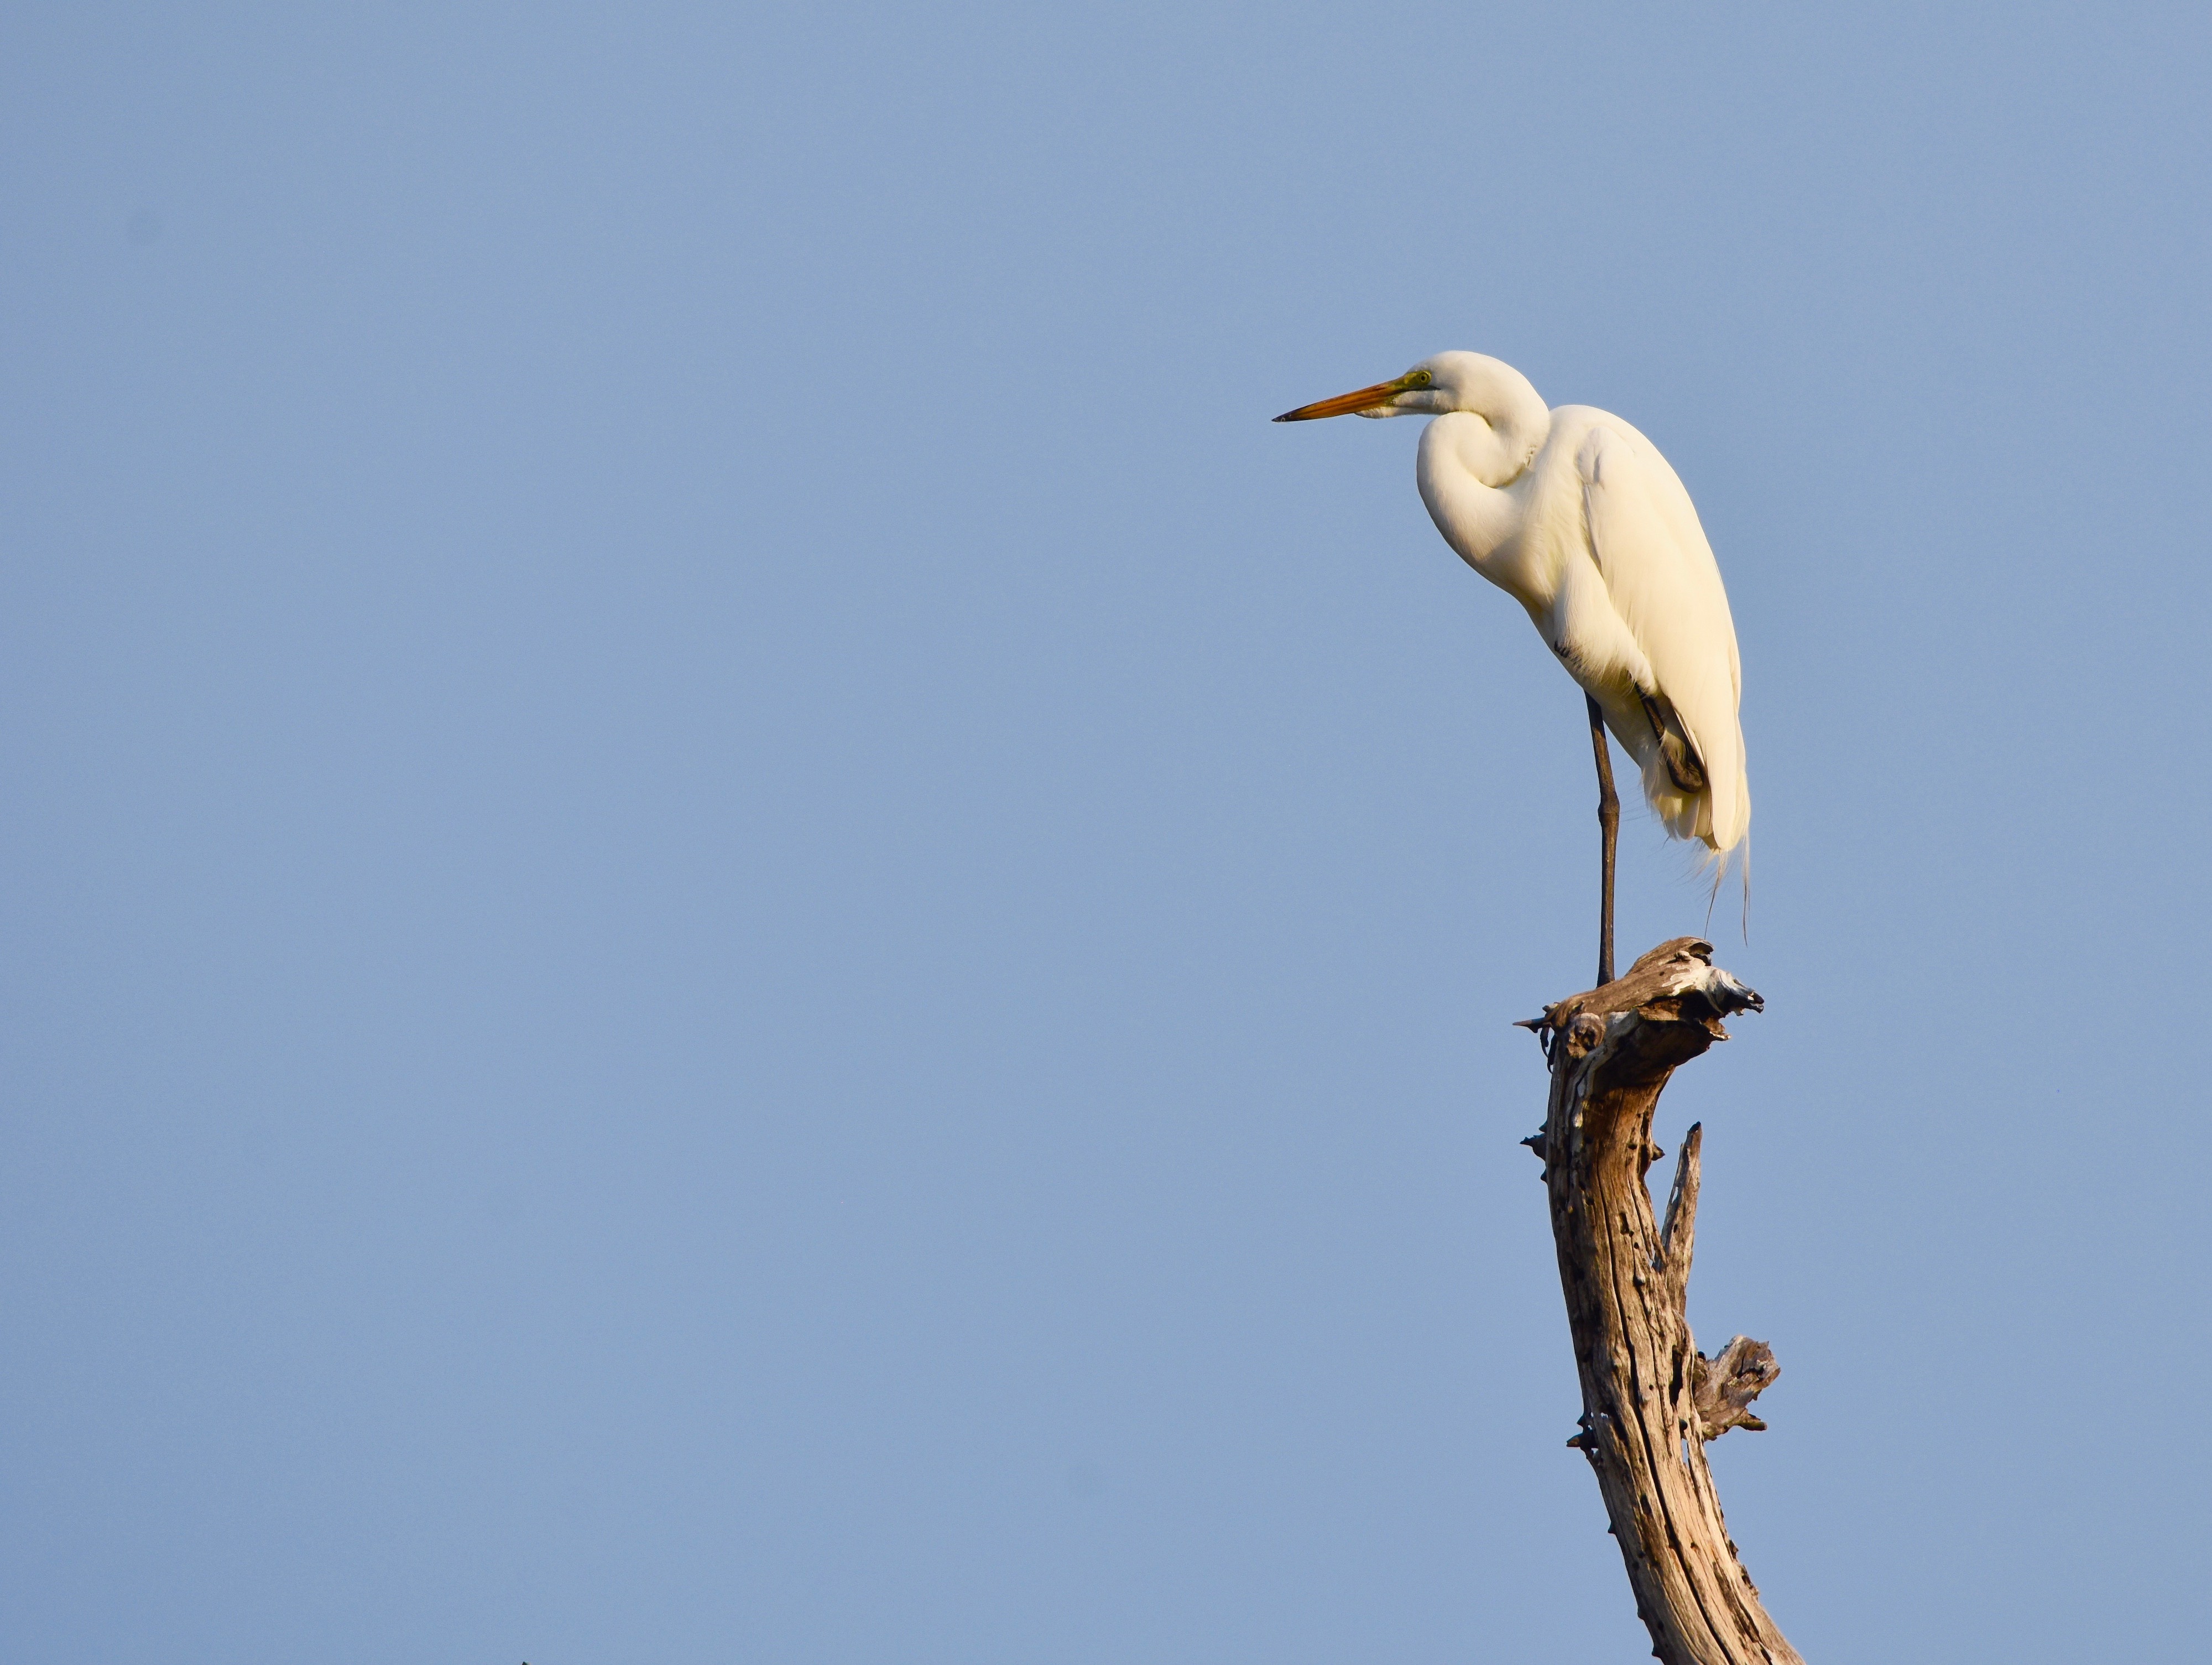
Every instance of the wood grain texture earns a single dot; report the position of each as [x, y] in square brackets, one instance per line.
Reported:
[1651, 1400]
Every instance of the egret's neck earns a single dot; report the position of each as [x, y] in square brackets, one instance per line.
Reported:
[1467, 460]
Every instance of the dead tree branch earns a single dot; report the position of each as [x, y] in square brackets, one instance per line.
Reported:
[1651, 1400]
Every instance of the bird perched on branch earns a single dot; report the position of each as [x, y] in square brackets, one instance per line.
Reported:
[1576, 516]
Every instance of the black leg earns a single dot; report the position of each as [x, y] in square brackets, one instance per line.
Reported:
[1608, 821]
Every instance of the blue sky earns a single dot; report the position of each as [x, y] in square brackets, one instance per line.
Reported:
[737, 926]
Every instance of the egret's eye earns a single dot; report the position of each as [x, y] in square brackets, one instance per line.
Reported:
[1419, 379]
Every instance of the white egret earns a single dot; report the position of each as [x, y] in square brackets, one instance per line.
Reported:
[1576, 516]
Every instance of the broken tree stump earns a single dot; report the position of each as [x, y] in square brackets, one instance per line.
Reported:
[1651, 1400]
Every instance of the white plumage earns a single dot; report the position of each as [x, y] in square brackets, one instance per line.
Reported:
[1575, 514]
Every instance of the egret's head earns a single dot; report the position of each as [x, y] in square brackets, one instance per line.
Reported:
[1447, 381]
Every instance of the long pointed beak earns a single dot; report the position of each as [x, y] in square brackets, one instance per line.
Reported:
[1363, 398]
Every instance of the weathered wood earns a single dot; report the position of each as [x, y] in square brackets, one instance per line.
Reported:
[1651, 1400]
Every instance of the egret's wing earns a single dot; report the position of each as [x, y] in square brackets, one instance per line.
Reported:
[1666, 586]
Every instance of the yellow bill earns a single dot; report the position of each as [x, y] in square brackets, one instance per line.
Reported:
[1360, 399]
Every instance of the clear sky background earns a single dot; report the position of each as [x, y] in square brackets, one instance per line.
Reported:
[732, 926]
